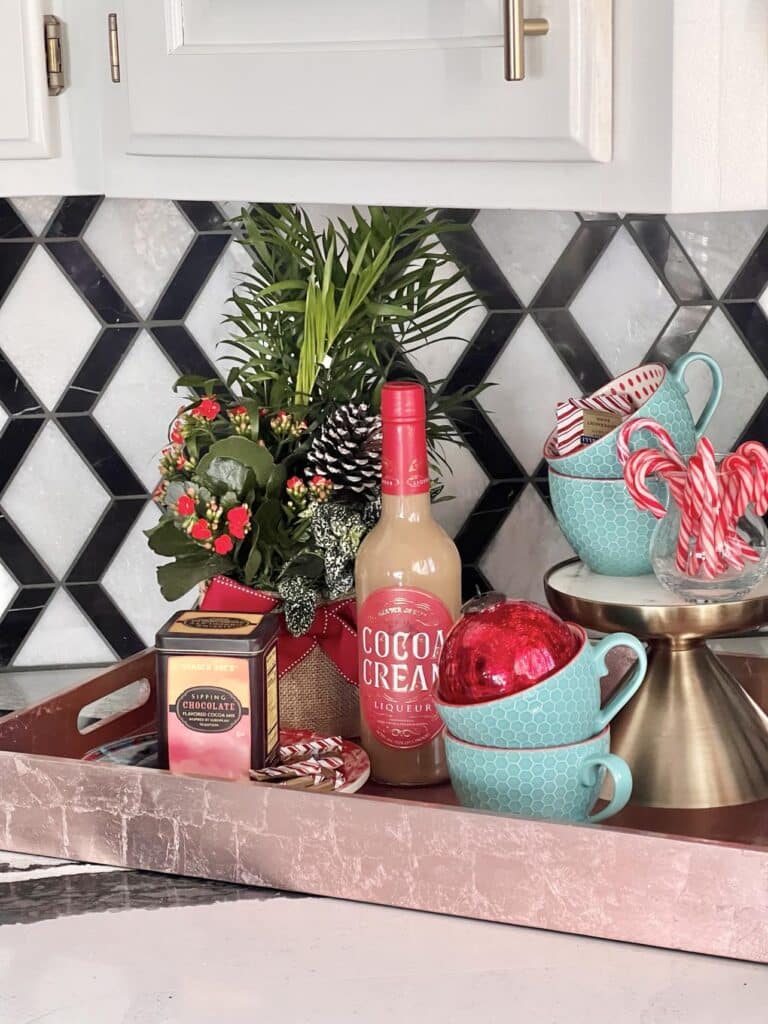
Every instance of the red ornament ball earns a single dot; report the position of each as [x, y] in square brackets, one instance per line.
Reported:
[499, 647]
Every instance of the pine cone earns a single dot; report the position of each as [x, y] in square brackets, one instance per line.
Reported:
[347, 450]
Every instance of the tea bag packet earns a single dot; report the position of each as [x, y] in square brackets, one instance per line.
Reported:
[580, 421]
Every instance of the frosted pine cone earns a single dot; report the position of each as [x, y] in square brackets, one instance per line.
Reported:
[347, 450]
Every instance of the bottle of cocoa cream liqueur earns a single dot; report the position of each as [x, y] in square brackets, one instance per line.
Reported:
[408, 583]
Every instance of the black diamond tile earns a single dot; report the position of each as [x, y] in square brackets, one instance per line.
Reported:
[751, 322]
[679, 334]
[473, 582]
[102, 456]
[190, 276]
[12, 257]
[752, 279]
[572, 268]
[11, 225]
[105, 540]
[478, 358]
[107, 618]
[478, 265]
[18, 557]
[183, 351]
[21, 616]
[92, 282]
[571, 345]
[14, 393]
[17, 439]
[201, 215]
[72, 216]
[98, 367]
[669, 259]
[486, 518]
[489, 448]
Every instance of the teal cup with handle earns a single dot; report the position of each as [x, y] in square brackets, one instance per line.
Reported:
[563, 708]
[603, 525]
[657, 391]
[557, 783]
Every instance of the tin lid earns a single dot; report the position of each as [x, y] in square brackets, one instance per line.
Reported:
[198, 632]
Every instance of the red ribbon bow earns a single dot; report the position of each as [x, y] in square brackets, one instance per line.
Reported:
[334, 627]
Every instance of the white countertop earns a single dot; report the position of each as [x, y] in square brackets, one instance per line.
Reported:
[207, 952]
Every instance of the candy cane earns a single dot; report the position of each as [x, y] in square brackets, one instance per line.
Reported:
[757, 456]
[662, 436]
[638, 467]
[708, 494]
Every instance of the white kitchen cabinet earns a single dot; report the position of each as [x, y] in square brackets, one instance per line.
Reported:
[652, 106]
[48, 143]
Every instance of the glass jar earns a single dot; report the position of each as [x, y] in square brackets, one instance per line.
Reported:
[684, 568]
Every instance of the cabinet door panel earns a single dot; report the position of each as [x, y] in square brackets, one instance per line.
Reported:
[26, 131]
[359, 79]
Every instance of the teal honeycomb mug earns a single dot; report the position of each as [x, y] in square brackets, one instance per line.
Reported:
[563, 708]
[657, 391]
[603, 525]
[557, 783]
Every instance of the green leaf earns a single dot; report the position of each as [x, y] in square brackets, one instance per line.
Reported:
[240, 449]
[223, 475]
[276, 481]
[167, 539]
[253, 564]
[177, 578]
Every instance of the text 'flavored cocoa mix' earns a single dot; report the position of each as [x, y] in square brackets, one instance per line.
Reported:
[217, 704]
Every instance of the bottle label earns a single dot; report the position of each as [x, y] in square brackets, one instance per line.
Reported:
[401, 631]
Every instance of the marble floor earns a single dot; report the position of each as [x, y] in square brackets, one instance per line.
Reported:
[80, 944]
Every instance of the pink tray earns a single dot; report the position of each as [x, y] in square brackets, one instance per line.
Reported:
[693, 880]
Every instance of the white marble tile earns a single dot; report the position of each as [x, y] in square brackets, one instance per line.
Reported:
[463, 485]
[718, 243]
[232, 207]
[36, 211]
[131, 581]
[145, 371]
[8, 588]
[46, 328]
[528, 543]
[744, 383]
[529, 379]
[58, 526]
[623, 305]
[204, 319]
[63, 635]
[525, 244]
[140, 242]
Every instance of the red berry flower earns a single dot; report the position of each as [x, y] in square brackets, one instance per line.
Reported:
[185, 506]
[237, 520]
[176, 435]
[238, 410]
[201, 530]
[223, 544]
[208, 409]
[294, 483]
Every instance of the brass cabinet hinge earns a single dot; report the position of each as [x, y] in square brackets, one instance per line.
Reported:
[54, 63]
[114, 48]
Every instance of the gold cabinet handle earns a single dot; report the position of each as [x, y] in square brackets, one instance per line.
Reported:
[516, 28]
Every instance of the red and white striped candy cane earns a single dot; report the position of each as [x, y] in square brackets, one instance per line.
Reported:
[708, 493]
[757, 456]
[652, 427]
[638, 467]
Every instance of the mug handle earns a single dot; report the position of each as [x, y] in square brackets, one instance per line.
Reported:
[622, 782]
[677, 371]
[630, 686]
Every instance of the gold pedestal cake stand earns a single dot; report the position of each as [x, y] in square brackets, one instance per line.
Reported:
[691, 735]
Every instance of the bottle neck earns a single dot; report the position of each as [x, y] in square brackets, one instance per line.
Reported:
[404, 468]
[410, 508]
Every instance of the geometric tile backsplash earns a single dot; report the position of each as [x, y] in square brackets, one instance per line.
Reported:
[103, 302]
